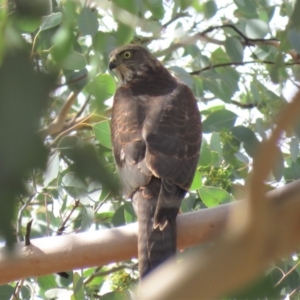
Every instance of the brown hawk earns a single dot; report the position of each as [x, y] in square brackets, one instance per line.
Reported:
[156, 137]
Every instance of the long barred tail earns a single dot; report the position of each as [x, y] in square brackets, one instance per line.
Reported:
[154, 245]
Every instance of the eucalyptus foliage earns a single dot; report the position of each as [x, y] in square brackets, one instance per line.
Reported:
[239, 57]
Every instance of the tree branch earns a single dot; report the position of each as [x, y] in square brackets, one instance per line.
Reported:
[242, 63]
[59, 122]
[59, 253]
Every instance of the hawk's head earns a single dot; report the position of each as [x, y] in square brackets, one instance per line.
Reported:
[132, 62]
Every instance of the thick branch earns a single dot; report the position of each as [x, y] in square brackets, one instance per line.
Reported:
[61, 253]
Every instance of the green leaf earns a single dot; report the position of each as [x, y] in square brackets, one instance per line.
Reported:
[247, 136]
[22, 150]
[210, 9]
[104, 42]
[223, 84]
[87, 218]
[215, 143]
[183, 75]
[102, 133]
[6, 291]
[62, 43]
[87, 163]
[294, 38]
[205, 155]
[74, 61]
[246, 9]
[295, 21]
[88, 22]
[104, 218]
[234, 49]
[197, 181]
[219, 120]
[241, 157]
[27, 25]
[51, 21]
[256, 29]
[119, 217]
[46, 282]
[76, 80]
[52, 169]
[129, 213]
[124, 34]
[75, 187]
[102, 88]
[78, 287]
[157, 9]
[212, 196]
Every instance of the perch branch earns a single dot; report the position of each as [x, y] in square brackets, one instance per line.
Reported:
[60, 253]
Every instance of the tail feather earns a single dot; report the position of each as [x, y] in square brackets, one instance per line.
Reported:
[155, 245]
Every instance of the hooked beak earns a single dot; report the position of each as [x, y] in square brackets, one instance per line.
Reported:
[112, 63]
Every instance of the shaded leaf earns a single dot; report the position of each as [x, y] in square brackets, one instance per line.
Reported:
[102, 87]
[219, 120]
[157, 9]
[46, 282]
[76, 80]
[87, 218]
[22, 149]
[129, 213]
[116, 296]
[78, 287]
[74, 61]
[88, 22]
[6, 292]
[234, 49]
[205, 155]
[209, 9]
[51, 21]
[75, 187]
[256, 29]
[86, 162]
[119, 217]
[52, 170]
[247, 136]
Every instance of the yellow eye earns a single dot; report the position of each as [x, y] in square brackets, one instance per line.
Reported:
[127, 54]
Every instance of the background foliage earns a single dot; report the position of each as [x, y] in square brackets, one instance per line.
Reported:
[239, 57]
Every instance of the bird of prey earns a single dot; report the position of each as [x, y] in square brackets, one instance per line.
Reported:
[156, 137]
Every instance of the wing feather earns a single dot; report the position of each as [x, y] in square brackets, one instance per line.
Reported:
[128, 145]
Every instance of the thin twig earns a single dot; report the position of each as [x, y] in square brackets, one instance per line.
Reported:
[59, 121]
[238, 64]
[75, 126]
[81, 110]
[245, 105]
[17, 290]
[20, 214]
[288, 273]
[63, 224]
[176, 17]
[107, 272]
